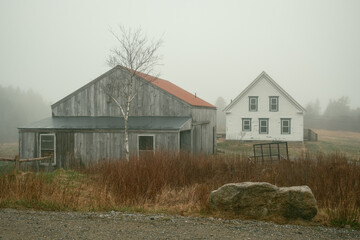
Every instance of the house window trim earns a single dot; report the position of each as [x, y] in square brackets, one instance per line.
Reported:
[267, 125]
[277, 103]
[40, 155]
[281, 127]
[138, 141]
[242, 122]
[256, 104]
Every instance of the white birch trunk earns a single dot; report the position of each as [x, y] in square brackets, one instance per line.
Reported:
[126, 118]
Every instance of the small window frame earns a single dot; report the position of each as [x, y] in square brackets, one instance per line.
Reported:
[271, 104]
[244, 120]
[255, 104]
[54, 149]
[266, 120]
[138, 143]
[289, 126]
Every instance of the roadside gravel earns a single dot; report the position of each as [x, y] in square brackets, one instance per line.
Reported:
[29, 224]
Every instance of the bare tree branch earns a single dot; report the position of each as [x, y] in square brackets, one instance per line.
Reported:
[137, 55]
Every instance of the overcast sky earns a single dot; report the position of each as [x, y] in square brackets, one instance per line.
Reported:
[214, 48]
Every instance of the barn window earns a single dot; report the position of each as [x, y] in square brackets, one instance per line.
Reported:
[263, 125]
[146, 144]
[246, 124]
[285, 126]
[48, 147]
[253, 104]
[274, 104]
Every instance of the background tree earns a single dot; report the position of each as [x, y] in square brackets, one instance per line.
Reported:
[337, 116]
[220, 115]
[313, 109]
[313, 115]
[338, 108]
[135, 53]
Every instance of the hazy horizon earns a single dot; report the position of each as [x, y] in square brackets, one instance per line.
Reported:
[211, 48]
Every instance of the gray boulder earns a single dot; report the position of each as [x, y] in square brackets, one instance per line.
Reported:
[261, 200]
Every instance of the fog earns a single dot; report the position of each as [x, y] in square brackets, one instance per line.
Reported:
[213, 48]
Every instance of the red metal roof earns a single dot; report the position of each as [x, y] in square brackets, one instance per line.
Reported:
[176, 91]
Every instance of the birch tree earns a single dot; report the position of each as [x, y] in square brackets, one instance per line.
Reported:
[136, 54]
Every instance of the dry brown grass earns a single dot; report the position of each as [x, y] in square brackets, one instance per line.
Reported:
[180, 183]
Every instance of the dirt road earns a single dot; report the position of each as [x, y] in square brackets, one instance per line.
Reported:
[29, 224]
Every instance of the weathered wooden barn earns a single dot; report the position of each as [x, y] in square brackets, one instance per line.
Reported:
[87, 123]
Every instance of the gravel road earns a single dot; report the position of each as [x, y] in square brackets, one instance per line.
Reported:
[29, 224]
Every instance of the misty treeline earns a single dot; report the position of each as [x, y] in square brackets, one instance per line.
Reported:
[337, 116]
[17, 108]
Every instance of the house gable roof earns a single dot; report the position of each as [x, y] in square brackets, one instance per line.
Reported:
[273, 83]
[164, 85]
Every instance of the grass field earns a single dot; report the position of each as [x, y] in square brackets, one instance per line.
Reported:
[347, 143]
[9, 149]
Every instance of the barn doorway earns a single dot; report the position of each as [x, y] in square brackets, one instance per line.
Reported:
[185, 141]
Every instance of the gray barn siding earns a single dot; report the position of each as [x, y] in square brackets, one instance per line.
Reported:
[64, 148]
[150, 101]
[28, 144]
[29, 148]
[167, 142]
[94, 146]
[203, 134]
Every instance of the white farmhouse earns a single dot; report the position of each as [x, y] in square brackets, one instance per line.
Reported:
[264, 112]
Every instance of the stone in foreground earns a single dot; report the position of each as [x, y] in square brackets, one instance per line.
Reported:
[260, 200]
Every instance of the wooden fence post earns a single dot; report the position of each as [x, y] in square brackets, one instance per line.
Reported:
[17, 163]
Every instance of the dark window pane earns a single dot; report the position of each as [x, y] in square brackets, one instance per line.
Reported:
[146, 143]
[263, 126]
[47, 142]
[253, 104]
[47, 147]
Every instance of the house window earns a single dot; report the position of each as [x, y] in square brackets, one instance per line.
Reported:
[253, 104]
[285, 126]
[246, 124]
[146, 144]
[48, 147]
[274, 104]
[263, 125]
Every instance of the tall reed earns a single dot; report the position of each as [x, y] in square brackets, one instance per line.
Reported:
[181, 183]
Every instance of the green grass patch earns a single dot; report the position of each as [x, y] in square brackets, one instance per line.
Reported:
[6, 168]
